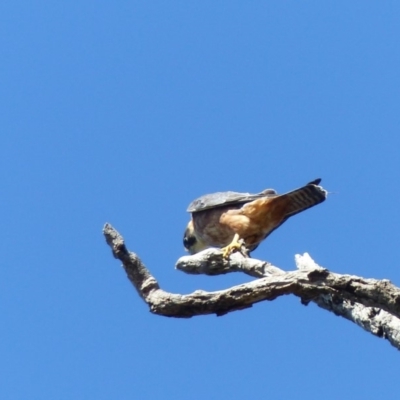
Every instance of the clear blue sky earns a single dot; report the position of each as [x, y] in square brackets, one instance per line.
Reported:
[124, 112]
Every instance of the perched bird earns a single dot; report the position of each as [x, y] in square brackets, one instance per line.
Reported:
[230, 220]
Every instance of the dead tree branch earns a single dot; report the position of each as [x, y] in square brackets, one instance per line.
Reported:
[372, 304]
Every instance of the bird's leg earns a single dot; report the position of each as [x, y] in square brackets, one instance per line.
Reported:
[235, 245]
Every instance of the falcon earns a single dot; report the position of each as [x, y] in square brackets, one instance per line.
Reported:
[231, 220]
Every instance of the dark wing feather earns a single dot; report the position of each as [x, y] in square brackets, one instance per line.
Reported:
[220, 199]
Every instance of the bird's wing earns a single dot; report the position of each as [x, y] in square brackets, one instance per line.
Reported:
[220, 199]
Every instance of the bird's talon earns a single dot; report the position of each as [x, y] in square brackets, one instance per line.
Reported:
[235, 245]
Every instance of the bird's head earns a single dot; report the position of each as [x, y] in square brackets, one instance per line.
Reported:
[193, 244]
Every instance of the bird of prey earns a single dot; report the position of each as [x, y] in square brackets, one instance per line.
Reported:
[230, 220]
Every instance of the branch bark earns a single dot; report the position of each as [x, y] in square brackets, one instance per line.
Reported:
[372, 304]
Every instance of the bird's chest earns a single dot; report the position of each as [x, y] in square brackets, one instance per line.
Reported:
[208, 226]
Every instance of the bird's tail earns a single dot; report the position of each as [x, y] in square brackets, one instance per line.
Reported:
[275, 209]
[271, 211]
[303, 198]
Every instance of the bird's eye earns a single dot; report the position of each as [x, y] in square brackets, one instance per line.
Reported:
[189, 241]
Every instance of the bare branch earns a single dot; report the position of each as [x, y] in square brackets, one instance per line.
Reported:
[211, 262]
[372, 304]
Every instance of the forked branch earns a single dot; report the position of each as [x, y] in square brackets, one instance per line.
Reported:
[372, 304]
